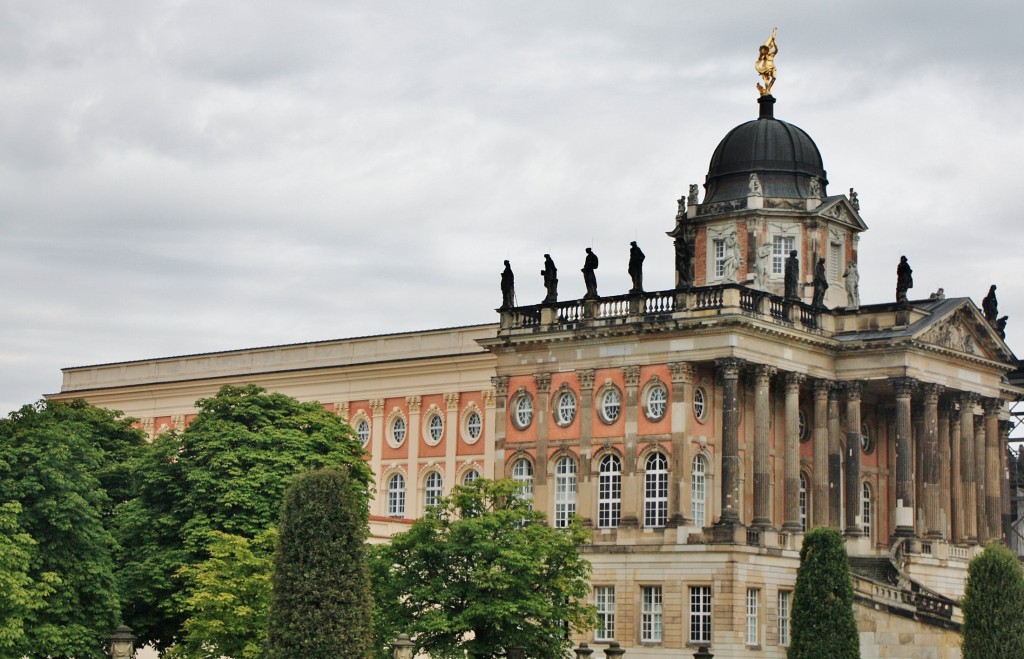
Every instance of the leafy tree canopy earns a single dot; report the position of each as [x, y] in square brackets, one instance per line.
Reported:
[992, 605]
[479, 573]
[823, 620]
[63, 463]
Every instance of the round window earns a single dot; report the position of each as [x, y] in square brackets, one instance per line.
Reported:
[565, 408]
[363, 431]
[474, 426]
[867, 444]
[398, 430]
[611, 405]
[522, 411]
[435, 428]
[700, 404]
[657, 402]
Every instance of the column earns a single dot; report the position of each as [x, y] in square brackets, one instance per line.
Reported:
[791, 465]
[728, 370]
[853, 449]
[1004, 479]
[820, 477]
[979, 477]
[500, 384]
[586, 484]
[451, 439]
[630, 489]
[491, 458]
[376, 451]
[682, 397]
[993, 485]
[969, 503]
[835, 460]
[945, 468]
[930, 447]
[904, 514]
[412, 439]
[917, 434]
[762, 465]
[956, 480]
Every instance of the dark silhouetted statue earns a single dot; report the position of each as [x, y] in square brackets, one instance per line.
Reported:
[550, 273]
[589, 278]
[820, 285]
[904, 280]
[792, 280]
[508, 287]
[636, 268]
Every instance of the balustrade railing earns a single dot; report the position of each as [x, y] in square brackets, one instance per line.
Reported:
[709, 297]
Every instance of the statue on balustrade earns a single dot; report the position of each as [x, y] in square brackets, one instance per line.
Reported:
[820, 285]
[1000, 327]
[589, 277]
[731, 259]
[904, 280]
[508, 287]
[636, 267]
[763, 267]
[990, 305]
[550, 274]
[852, 277]
[792, 277]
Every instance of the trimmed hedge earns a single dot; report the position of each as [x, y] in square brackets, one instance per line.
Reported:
[823, 622]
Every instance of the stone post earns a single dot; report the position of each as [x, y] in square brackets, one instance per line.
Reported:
[614, 651]
[682, 397]
[853, 451]
[930, 440]
[904, 514]
[402, 648]
[969, 503]
[791, 466]
[728, 370]
[820, 477]
[835, 460]
[762, 464]
[583, 651]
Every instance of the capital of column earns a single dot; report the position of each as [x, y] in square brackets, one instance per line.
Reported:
[342, 409]
[631, 375]
[414, 403]
[853, 389]
[793, 381]
[489, 395]
[728, 368]
[543, 382]
[821, 389]
[682, 373]
[500, 384]
[586, 378]
[931, 392]
[991, 406]
[903, 387]
[377, 406]
[967, 400]
[451, 400]
[763, 374]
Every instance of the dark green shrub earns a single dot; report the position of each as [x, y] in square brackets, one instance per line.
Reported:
[823, 622]
[993, 604]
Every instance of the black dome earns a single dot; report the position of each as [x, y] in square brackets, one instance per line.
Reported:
[784, 157]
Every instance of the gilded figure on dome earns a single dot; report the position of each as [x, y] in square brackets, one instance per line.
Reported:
[765, 64]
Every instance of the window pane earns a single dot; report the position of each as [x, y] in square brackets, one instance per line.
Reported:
[697, 494]
[784, 617]
[656, 491]
[609, 492]
[605, 601]
[565, 491]
[700, 614]
[650, 614]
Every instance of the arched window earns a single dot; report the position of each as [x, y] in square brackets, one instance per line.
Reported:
[656, 491]
[396, 496]
[609, 492]
[522, 473]
[470, 476]
[698, 491]
[432, 492]
[865, 508]
[565, 491]
[804, 502]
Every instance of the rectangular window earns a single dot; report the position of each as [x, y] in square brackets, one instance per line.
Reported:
[604, 597]
[784, 597]
[700, 614]
[655, 498]
[781, 247]
[834, 257]
[650, 614]
[753, 613]
[719, 257]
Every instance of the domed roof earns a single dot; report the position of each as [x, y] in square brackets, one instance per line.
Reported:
[783, 156]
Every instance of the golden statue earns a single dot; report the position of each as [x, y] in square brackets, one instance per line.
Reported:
[765, 64]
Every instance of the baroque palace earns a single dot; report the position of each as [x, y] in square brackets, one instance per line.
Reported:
[699, 431]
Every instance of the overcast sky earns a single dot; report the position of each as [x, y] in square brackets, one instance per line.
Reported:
[180, 177]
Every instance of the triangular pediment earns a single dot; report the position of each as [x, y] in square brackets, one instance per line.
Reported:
[839, 209]
[963, 329]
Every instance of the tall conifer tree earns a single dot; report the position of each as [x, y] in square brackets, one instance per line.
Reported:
[823, 621]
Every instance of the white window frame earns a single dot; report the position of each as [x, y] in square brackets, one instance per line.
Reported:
[651, 614]
[836, 251]
[565, 407]
[866, 492]
[785, 611]
[433, 489]
[522, 411]
[805, 502]
[363, 431]
[396, 495]
[718, 257]
[522, 473]
[470, 476]
[609, 492]
[435, 428]
[398, 430]
[656, 401]
[700, 404]
[604, 601]
[753, 618]
[610, 409]
[700, 614]
[698, 490]
[656, 491]
[784, 238]
[565, 491]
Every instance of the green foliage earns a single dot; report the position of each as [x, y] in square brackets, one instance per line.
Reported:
[20, 594]
[228, 598]
[64, 464]
[481, 572]
[227, 472]
[823, 621]
[322, 608]
[992, 605]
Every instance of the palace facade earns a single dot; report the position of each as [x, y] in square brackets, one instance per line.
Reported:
[699, 431]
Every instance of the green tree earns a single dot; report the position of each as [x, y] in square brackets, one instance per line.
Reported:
[227, 472]
[228, 597]
[321, 606]
[20, 594]
[823, 621]
[482, 572]
[992, 605]
[63, 463]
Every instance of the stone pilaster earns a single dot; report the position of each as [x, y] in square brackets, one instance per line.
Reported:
[820, 477]
[762, 464]
[945, 466]
[491, 455]
[376, 449]
[853, 528]
[791, 464]
[451, 438]
[586, 491]
[993, 486]
[682, 400]
[728, 371]
[904, 513]
[412, 439]
[631, 500]
[969, 502]
[835, 460]
[980, 458]
[956, 479]
[934, 528]
[540, 472]
[498, 423]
